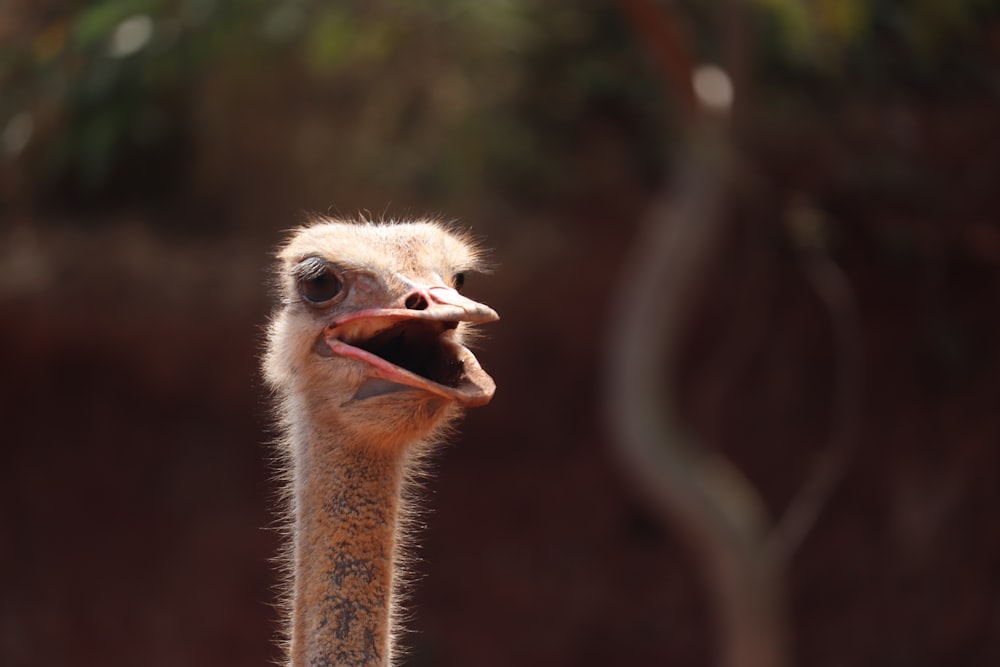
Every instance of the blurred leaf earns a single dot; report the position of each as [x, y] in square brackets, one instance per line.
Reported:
[796, 26]
[51, 42]
[843, 20]
[330, 39]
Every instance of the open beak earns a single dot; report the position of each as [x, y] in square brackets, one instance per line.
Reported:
[417, 347]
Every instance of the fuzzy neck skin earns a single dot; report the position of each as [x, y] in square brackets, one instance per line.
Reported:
[346, 507]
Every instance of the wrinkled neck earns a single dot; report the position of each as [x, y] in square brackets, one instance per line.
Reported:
[346, 506]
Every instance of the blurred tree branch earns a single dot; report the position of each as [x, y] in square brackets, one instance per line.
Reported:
[742, 551]
[718, 512]
[808, 229]
[665, 45]
[720, 515]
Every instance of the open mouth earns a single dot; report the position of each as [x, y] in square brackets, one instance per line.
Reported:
[417, 352]
[419, 347]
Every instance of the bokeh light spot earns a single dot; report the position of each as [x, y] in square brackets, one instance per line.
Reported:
[17, 133]
[713, 87]
[131, 36]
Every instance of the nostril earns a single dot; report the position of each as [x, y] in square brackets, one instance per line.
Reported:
[416, 301]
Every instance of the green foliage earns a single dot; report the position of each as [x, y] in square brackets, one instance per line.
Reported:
[881, 43]
[117, 77]
[106, 79]
[435, 94]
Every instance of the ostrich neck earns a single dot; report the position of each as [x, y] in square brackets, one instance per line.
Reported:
[346, 499]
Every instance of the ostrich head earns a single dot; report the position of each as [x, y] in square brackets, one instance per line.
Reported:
[369, 339]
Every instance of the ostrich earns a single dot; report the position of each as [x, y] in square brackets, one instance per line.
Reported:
[366, 358]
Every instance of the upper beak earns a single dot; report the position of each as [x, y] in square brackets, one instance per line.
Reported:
[431, 303]
[445, 301]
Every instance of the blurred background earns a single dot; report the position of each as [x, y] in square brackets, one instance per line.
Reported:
[841, 350]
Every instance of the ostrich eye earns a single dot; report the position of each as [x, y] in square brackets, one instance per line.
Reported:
[458, 280]
[318, 282]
